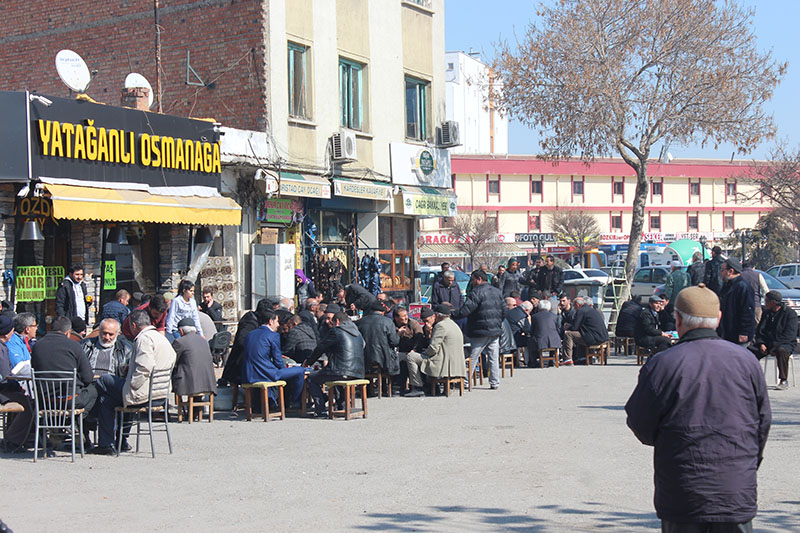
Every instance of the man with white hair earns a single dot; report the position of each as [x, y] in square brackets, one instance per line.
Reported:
[447, 290]
[544, 333]
[109, 352]
[194, 364]
[511, 303]
[589, 329]
[519, 319]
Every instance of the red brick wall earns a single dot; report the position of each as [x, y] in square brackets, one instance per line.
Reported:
[225, 38]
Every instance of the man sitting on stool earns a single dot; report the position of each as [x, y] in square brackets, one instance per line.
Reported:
[194, 364]
[776, 335]
[444, 357]
[589, 329]
[648, 332]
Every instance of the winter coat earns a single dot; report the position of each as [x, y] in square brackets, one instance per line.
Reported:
[194, 366]
[381, 339]
[300, 341]
[215, 312]
[358, 295]
[151, 352]
[648, 325]
[65, 300]
[778, 329]
[676, 282]
[757, 283]
[550, 281]
[507, 342]
[708, 439]
[520, 325]
[544, 333]
[697, 273]
[262, 358]
[345, 348]
[713, 278]
[485, 311]
[627, 318]
[510, 282]
[411, 338]
[451, 293]
[233, 366]
[738, 315]
[591, 325]
[444, 357]
[120, 355]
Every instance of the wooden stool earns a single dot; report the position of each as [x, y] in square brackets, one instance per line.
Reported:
[264, 386]
[642, 353]
[195, 401]
[552, 357]
[349, 397]
[478, 373]
[597, 350]
[235, 403]
[468, 364]
[447, 382]
[625, 343]
[520, 357]
[384, 380]
[506, 360]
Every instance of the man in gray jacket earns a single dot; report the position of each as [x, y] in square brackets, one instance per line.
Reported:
[109, 352]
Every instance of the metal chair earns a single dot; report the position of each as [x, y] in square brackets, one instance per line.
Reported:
[54, 402]
[158, 402]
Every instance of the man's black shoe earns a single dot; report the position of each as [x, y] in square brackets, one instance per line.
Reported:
[415, 393]
[103, 450]
[125, 446]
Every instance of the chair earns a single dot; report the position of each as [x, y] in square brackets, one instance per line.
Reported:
[447, 382]
[624, 343]
[195, 401]
[349, 386]
[507, 360]
[791, 368]
[219, 345]
[159, 385]
[383, 380]
[520, 357]
[642, 353]
[597, 350]
[553, 356]
[9, 408]
[477, 373]
[264, 386]
[54, 403]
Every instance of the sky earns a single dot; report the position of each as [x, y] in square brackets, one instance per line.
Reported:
[471, 25]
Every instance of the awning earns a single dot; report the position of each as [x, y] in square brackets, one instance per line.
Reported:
[74, 202]
[504, 249]
[370, 190]
[307, 185]
[429, 201]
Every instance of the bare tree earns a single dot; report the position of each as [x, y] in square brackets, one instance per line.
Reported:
[475, 235]
[576, 228]
[776, 181]
[602, 76]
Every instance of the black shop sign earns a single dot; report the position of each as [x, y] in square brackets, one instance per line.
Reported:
[536, 238]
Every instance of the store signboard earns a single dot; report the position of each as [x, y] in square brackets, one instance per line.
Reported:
[110, 276]
[30, 284]
[362, 189]
[429, 204]
[420, 166]
[309, 189]
[13, 140]
[535, 238]
[52, 276]
[276, 210]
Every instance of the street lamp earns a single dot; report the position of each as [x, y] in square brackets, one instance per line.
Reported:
[703, 240]
[745, 233]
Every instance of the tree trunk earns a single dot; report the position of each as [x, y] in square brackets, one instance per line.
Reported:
[637, 224]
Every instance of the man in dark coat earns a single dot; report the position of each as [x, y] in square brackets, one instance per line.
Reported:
[627, 317]
[776, 335]
[57, 352]
[380, 340]
[109, 352]
[566, 314]
[531, 278]
[648, 333]
[485, 311]
[511, 279]
[520, 322]
[551, 278]
[713, 276]
[344, 347]
[357, 295]
[544, 333]
[736, 301]
[17, 425]
[71, 296]
[212, 308]
[697, 270]
[300, 341]
[194, 366]
[703, 405]
[232, 372]
[446, 290]
[589, 329]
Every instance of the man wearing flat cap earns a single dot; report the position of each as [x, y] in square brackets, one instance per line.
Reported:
[736, 303]
[648, 333]
[380, 340]
[776, 334]
[444, 356]
[194, 365]
[703, 405]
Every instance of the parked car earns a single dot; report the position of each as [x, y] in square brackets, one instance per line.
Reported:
[646, 279]
[586, 274]
[428, 275]
[789, 274]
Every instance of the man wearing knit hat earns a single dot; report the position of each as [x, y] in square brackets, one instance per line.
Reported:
[736, 303]
[776, 335]
[703, 405]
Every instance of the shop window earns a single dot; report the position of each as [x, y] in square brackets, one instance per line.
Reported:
[351, 94]
[728, 222]
[336, 227]
[616, 222]
[494, 186]
[394, 240]
[658, 188]
[655, 222]
[692, 223]
[694, 188]
[416, 109]
[297, 81]
[619, 187]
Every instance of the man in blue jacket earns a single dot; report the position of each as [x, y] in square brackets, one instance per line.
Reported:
[703, 405]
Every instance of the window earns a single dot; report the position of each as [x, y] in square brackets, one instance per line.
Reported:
[616, 222]
[658, 188]
[619, 187]
[571, 274]
[492, 221]
[730, 190]
[692, 223]
[535, 223]
[787, 271]
[351, 94]
[297, 81]
[659, 275]
[445, 223]
[694, 188]
[494, 186]
[642, 276]
[416, 116]
[395, 237]
[536, 187]
[577, 188]
[727, 222]
[655, 222]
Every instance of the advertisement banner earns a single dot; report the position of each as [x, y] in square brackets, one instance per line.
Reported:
[276, 210]
[429, 204]
[362, 189]
[30, 284]
[420, 166]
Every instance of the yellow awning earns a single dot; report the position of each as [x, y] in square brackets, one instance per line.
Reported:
[124, 205]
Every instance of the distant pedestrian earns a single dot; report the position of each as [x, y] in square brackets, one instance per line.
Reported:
[713, 276]
[758, 284]
[511, 279]
[736, 301]
[551, 278]
[697, 270]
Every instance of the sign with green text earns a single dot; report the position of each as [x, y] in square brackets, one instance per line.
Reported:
[110, 276]
[30, 284]
[52, 278]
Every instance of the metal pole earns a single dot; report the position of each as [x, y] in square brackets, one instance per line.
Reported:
[744, 234]
[158, 55]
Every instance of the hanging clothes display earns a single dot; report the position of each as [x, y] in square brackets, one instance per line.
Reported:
[326, 271]
[369, 274]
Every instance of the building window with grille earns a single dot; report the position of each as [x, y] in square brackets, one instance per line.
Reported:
[692, 223]
[616, 222]
[655, 222]
[619, 188]
[728, 222]
[298, 89]
[494, 186]
[416, 110]
[351, 94]
[694, 188]
[492, 222]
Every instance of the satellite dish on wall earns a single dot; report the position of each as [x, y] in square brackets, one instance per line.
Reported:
[73, 70]
[134, 80]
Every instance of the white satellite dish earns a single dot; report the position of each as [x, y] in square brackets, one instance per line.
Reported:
[73, 70]
[134, 80]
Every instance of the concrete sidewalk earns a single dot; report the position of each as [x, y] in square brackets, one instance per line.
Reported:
[548, 451]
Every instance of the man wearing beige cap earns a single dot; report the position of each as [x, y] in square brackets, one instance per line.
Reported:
[703, 405]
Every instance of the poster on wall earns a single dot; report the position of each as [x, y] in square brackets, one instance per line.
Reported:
[421, 166]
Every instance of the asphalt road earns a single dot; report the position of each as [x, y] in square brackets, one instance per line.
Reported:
[548, 451]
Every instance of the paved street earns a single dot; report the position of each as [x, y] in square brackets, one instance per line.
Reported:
[549, 451]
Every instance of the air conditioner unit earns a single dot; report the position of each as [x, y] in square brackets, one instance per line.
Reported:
[343, 145]
[447, 135]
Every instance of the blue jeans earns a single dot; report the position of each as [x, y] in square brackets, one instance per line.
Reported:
[110, 390]
[492, 347]
[294, 377]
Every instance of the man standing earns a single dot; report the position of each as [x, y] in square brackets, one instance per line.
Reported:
[697, 270]
[212, 308]
[118, 307]
[648, 333]
[588, 329]
[380, 338]
[109, 352]
[551, 278]
[485, 312]
[497, 282]
[444, 356]
[151, 352]
[736, 300]
[676, 282]
[703, 405]
[531, 278]
[439, 275]
[71, 296]
[447, 290]
[759, 286]
[713, 276]
[776, 335]
[194, 364]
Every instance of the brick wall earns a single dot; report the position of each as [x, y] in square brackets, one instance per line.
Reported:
[225, 39]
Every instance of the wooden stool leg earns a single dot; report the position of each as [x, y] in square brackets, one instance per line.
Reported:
[180, 407]
[280, 402]
[265, 404]
[364, 401]
[461, 387]
[347, 400]
[389, 385]
[248, 409]
[210, 407]
[380, 384]
[235, 397]
[512, 369]
[191, 408]
[331, 402]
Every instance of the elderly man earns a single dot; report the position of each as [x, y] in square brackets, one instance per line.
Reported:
[544, 333]
[118, 307]
[72, 298]
[648, 333]
[194, 365]
[381, 339]
[511, 303]
[677, 280]
[519, 319]
[703, 405]
[697, 270]
[108, 352]
[736, 302]
[776, 335]
[447, 290]
[588, 329]
[308, 312]
[152, 352]
[18, 425]
[212, 308]
[444, 356]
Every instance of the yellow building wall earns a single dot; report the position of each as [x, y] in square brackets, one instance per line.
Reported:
[418, 32]
[352, 17]
[300, 19]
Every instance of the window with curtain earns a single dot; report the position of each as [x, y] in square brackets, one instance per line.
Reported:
[351, 94]
[416, 91]
[297, 81]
